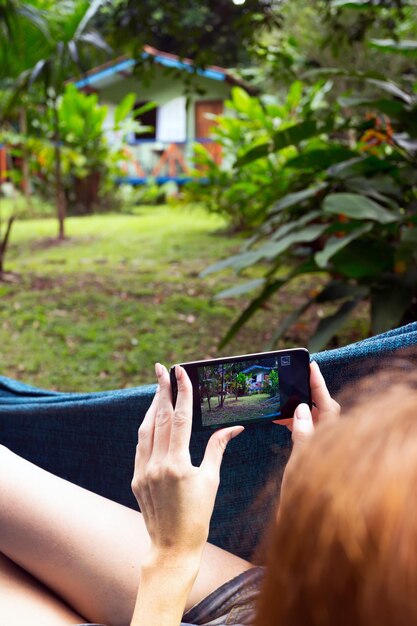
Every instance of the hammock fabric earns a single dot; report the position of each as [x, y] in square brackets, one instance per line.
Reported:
[90, 439]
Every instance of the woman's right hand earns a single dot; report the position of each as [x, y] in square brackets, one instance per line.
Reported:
[325, 411]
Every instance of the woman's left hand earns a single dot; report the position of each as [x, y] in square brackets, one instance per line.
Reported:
[175, 497]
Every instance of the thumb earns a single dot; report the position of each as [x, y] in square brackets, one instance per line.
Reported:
[217, 445]
[302, 428]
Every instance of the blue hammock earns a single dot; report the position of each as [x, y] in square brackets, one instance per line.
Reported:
[90, 439]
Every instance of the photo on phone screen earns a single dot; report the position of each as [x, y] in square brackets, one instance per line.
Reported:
[248, 388]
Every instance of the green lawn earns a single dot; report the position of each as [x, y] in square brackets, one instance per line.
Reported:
[96, 311]
[244, 407]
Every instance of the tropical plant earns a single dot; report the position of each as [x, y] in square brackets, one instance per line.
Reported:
[90, 162]
[350, 215]
[47, 59]
[243, 194]
[271, 384]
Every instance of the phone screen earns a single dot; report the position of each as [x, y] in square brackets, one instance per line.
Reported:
[247, 389]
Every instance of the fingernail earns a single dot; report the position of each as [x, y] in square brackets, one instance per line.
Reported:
[302, 412]
[178, 372]
[158, 370]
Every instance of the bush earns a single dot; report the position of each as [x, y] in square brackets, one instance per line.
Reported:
[242, 187]
[350, 211]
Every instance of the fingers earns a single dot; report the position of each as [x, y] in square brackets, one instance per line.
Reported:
[302, 427]
[164, 412]
[328, 410]
[145, 434]
[183, 413]
[216, 446]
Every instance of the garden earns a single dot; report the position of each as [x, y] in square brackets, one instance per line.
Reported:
[135, 230]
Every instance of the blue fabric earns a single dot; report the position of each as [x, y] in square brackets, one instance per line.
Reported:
[90, 439]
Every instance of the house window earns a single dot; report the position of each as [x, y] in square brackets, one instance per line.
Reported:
[148, 118]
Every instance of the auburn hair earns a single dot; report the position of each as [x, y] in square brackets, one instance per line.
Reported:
[343, 551]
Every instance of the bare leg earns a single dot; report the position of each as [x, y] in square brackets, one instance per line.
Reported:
[85, 548]
[23, 600]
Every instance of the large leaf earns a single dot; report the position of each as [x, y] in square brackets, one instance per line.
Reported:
[404, 46]
[269, 289]
[329, 326]
[321, 158]
[293, 199]
[364, 258]
[357, 206]
[389, 301]
[268, 251]
[124, 107]
[338, 290]
[366, 166]
[334, 244]
[288, 322]
[256, 152]
[250, 310]
[391, 88]
[393, 108]
[292, 225]
[293, 135]
[239, 290]
[351, 4]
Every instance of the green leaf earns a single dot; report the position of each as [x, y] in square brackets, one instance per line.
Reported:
[240, 290]
[334, 244]
[241, 99]
[269, 289]
[391, 88]
[288, 322]
[389, 301]
[273, 249]
[232, 261]
[148, 106]
[251, 309]
[357, 206]
[293, 135]
[124, 108]
[364, 258]
[293, 199]
[352, 4]
[404, 46]
[393, 108]
[329, 326]
[321, 158]
[254, 153]
[295, 224]
[336, 290]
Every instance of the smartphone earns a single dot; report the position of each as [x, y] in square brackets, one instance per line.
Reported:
[247, 389]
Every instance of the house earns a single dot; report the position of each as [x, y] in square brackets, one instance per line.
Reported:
[256, 375]
[180, 118]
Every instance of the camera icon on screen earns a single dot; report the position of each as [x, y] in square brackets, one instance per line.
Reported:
[285, 360]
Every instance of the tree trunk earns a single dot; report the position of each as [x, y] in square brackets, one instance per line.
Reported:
[59, 189]
[222, 388]
[25, 162]
[4, 242]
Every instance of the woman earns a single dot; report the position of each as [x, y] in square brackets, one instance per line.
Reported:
[69, 556]
[328, 563]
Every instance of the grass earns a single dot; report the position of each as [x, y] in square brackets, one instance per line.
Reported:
[122, 292]
[233, 410]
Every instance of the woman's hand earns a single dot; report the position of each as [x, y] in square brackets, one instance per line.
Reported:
[325, 411]
[175, 497]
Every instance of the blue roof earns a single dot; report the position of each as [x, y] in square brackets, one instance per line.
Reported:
[257, 367]
[167, 61]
